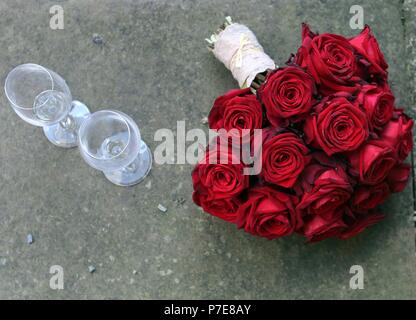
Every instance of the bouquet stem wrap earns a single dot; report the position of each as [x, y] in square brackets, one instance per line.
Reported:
[238, 49]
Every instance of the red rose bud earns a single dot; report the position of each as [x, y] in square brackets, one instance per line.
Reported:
[284, 156]
[225, 208]
[378, 103]
[358, 224]
[237, 109]
[367, 46]
[369, 197]
[399, 177]
[287, 95]
[372, 162]
[219, 175]
[331, 61]
[399, 133]
[317, 228]
[268, 213]
[338, 125]
[324, 191]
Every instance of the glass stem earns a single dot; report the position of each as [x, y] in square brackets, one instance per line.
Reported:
[132, 167]
[68, 123]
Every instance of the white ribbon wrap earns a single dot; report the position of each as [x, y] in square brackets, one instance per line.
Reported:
[238, 49]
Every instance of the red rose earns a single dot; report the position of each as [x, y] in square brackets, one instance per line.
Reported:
[219, 175]
[399, 133]
[399, 177]
[358, 224]
[325, 188]
[284, 156]
[378, 104]
[367, 46]
[225, 208]
[369, 197]
[238, 110]
[338, 125]
[372, 162]
[317, 228]
[268, 213]
[287, 94]
[330, 59]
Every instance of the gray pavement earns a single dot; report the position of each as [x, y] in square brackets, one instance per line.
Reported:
[153, 65]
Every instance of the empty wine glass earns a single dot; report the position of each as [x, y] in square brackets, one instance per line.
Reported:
[42, 98]
[110, 141]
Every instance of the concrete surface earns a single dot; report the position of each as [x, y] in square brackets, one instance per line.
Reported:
[153, 65]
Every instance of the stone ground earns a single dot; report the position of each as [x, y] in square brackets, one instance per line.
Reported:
[153, 65]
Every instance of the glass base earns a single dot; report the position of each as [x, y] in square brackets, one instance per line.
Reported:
[135, 172]
[64, 133]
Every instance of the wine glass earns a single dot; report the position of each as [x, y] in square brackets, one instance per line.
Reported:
[110, 141]
[42, 98]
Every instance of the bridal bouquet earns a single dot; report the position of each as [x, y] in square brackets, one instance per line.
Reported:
[327, 139]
